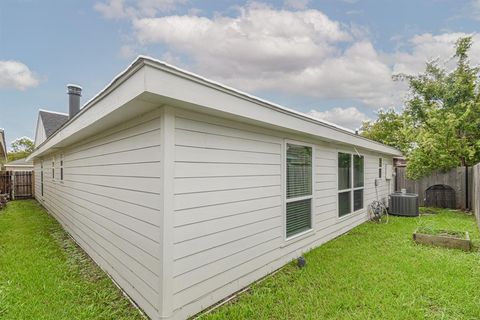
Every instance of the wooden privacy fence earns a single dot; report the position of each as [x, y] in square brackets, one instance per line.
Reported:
[17, 185]
[441, 189]
[6, 182]
[476, 192]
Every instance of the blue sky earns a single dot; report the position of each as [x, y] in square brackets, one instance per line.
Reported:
[332, 59]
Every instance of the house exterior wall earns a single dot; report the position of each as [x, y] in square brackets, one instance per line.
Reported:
[109, 202]
[183, 209]
[229, 225]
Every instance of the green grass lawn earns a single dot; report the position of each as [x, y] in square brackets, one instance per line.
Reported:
[44, 275]
[375, 271]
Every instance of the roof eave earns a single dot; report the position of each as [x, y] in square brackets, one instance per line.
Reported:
[149, 83]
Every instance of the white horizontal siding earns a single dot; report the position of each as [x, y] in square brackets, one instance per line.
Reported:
[227, 204]
[109, 201]
[228, 219]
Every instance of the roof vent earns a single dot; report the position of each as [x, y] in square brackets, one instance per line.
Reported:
[74, 94]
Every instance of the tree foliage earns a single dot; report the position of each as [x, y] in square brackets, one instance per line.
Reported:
[21, 148]
[23, 144]
[390, 128]
[440, 126]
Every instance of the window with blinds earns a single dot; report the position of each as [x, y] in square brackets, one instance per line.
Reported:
[299, 193]
[350, 183]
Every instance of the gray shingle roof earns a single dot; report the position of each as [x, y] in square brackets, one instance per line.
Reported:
[52, 121]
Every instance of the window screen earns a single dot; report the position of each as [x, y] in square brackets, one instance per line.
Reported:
[344, 206]
[298, 189]
[357, 171]
[344, 171]
[357, 199]
[299, 171]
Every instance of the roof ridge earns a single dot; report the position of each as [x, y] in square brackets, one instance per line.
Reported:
[54, 112]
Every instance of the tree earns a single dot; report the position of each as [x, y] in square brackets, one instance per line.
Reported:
[445, 109]
[441, 117]
[390, 128]
[23, 144]
[21, 148]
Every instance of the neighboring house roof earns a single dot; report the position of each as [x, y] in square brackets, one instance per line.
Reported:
[52, 121]
[3, 146]
[48, 122]
[148, 83]
[20, 163]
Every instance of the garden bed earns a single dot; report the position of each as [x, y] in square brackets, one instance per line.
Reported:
[443, 238]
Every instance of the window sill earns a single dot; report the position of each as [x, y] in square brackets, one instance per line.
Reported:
[345, 217]
[298, 237]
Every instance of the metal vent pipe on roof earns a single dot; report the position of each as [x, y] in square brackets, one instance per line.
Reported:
[74, 94]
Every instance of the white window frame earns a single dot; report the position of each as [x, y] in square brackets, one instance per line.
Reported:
[352, 189]
[286, 200]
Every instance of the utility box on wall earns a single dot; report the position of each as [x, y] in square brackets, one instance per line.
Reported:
[388, 172]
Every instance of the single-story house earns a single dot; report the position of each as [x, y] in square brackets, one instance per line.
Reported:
[19, 165]
[185, 190]
[3, 148]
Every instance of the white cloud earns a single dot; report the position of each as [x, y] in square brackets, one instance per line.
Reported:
[300, 51]
[357, 73]
[426, 47]
[268, 49]
[16, 75]
[118, 9]
[350, 118]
